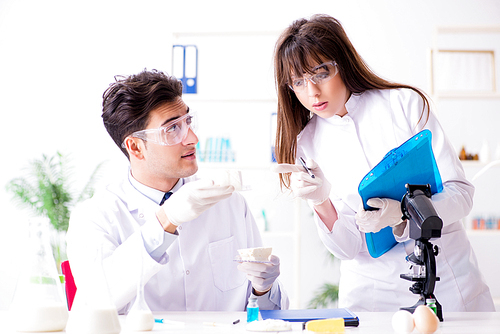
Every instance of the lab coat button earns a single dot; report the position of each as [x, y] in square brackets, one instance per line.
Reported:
[179, 227]
[187, 272]
[141, 215]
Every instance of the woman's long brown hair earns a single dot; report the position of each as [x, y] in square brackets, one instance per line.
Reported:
[304, 44]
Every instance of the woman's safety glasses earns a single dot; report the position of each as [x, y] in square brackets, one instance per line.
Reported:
[322, 74]
[171, 133]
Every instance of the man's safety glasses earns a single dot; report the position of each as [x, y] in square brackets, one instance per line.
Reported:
[322, 74]
[171, 133]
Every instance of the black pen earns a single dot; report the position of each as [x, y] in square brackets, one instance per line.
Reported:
[306, 168]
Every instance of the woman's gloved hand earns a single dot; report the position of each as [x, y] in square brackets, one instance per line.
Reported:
[388, 214]
[192, 199]
[317, 189]
[262, 275]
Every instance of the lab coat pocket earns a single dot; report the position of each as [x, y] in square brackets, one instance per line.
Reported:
[224, 270]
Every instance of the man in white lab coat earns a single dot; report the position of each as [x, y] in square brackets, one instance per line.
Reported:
[183, 232]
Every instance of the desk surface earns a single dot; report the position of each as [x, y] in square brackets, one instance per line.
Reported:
[370, 322]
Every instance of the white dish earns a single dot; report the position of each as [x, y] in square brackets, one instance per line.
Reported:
[239, 259]
[269, 325]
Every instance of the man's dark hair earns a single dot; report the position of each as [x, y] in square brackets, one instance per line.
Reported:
[128, 102]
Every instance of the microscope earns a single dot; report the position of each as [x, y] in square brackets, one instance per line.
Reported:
[424, 224]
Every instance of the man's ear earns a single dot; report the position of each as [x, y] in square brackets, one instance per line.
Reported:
[134, 147]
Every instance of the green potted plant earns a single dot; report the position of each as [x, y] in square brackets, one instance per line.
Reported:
[326, 295]
[45, 190]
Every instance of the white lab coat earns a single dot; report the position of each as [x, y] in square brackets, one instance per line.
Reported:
[346, 148]
[196, 273]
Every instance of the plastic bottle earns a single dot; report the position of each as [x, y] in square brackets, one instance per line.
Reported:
[431, 303]
[252, 309]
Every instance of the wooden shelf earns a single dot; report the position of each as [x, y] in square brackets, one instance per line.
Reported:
[466, 95]
[483, 232]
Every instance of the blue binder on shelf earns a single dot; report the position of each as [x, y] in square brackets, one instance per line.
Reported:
[185, 67]
[413, 162]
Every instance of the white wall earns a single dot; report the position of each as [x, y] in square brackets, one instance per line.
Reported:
[57, 58]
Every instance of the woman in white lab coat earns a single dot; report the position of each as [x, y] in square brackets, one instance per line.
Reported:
[342, 118]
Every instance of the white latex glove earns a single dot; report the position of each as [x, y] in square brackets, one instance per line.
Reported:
[192, 199]
[316, 190]
[388, 214]
[262, 275]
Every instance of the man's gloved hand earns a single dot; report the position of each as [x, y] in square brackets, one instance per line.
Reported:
[262, 275]
[192, 199]
[388, 214]
[316, 190]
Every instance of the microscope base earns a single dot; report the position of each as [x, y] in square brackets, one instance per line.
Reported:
[421, 301]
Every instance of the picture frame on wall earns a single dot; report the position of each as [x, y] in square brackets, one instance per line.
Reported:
[463, 72]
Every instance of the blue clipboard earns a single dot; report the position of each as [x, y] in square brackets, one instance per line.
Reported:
[350, 319]
[413, 162]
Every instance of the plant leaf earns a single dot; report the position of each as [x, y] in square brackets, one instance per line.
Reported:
[88, 191]
[325, 296]
[45, 189]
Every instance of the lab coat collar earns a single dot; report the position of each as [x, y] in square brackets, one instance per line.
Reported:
[138, 195]
[352, 104]
[151, 193]
[338, 120]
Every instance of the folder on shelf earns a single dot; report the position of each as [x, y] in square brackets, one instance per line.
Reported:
[350, 319]
[411, 163]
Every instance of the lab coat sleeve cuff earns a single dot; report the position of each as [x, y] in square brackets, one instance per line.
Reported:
[340, 226]
[342, 222]
[274, 299]
[405, 236]
[156, 240]
[344, 241]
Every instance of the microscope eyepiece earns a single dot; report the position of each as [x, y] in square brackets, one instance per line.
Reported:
[418, 209]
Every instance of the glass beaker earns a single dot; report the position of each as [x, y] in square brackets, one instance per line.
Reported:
[93, 310]
[39, 303]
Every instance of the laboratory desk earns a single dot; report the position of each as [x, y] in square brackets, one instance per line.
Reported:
[369, 322]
